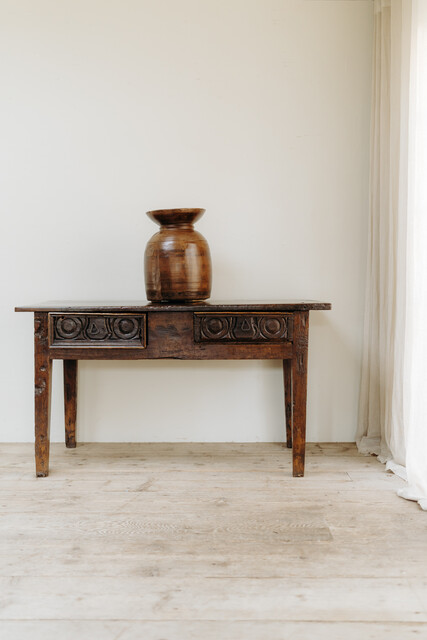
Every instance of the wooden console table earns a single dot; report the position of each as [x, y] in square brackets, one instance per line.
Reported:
[199, 331]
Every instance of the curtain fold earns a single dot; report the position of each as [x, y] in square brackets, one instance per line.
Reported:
[393, 397]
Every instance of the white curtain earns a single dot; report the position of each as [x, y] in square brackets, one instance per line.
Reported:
[393, 399]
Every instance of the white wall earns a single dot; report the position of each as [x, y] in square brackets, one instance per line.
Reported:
[257, 110]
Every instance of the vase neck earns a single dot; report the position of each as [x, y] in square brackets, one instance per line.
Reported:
[177, 225]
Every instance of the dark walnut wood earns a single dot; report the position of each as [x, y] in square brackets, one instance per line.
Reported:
[88, 329]
[128, 331]
[42, 394]
[70, 402]
[242, 327]
[177, 260]
[134, 306]
[299, 391]
[287, 383]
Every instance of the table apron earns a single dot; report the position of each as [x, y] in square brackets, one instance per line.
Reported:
[174, 336]
[220, 352]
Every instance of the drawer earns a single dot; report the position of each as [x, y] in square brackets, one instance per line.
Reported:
[243, 327]
[103, 330]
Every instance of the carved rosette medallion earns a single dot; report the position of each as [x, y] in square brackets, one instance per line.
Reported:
[90, 329]
[242, 327]
[68, 327]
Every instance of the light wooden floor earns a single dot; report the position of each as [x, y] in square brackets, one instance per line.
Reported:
[166, 542]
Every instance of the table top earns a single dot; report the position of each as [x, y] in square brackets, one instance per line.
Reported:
[136, 306]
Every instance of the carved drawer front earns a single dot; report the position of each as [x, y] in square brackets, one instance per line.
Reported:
[243, 327]
[92, 330]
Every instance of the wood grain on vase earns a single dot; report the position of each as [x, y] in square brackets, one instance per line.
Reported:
[177, 260]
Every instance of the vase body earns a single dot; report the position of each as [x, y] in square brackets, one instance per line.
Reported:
[177, 260]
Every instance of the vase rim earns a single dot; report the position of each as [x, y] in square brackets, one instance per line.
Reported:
[176, 216]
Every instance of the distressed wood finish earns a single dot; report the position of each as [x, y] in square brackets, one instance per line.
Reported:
[287, 383]
[225, 331]
[42, 393]
[133, 306]
[299, 384]
[71, 329]
[242, 327]
[171, 335]
[70, 402]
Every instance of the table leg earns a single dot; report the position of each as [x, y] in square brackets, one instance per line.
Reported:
[42, 393]
[299, 380]
[70, 402]
[287, 383]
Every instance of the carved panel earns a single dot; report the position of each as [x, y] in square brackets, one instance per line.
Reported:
[69, 329]
[242, 327]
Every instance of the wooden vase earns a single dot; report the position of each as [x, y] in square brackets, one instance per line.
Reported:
[177, 258]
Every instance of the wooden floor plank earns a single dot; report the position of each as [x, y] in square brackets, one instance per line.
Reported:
[136, 598]
[188, 540]
[211, 630]
[89, 558]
